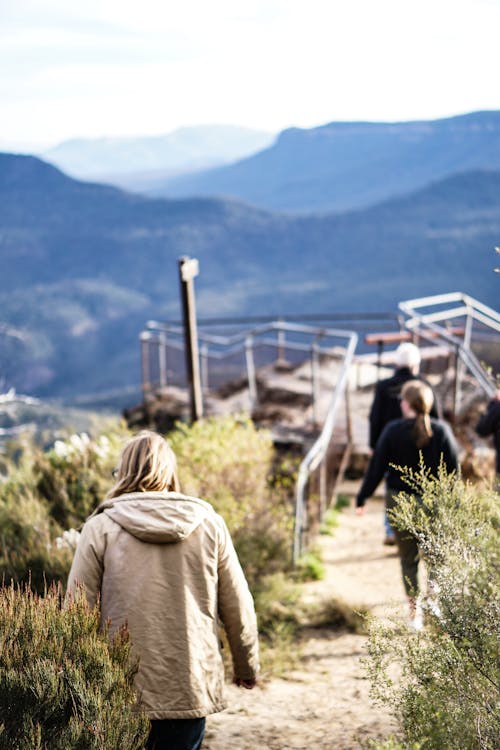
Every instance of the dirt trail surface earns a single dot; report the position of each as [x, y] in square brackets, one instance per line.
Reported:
[324, 703]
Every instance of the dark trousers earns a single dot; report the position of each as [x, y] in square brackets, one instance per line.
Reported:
[176, 734]
[408, 552]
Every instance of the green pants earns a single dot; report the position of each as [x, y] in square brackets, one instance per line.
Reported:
[409, 554]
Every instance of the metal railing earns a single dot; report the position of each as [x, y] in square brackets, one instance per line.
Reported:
[247, 348]
[316, 458]
[433, 327]
[315, 482]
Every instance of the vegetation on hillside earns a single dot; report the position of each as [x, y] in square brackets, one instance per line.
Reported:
[105, 261]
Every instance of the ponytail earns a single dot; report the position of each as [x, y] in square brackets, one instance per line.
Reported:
[422, 430]
[419, 397]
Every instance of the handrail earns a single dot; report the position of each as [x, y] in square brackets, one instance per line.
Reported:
[472, 310]
[318, 451]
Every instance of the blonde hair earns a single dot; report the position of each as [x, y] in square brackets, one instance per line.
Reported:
[419, 398]
[147, 464]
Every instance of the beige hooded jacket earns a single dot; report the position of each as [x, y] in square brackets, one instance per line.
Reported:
[165, 564]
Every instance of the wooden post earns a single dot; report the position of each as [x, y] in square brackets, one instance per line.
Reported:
[188, 269]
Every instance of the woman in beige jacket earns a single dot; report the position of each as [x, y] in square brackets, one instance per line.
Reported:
[164, 563]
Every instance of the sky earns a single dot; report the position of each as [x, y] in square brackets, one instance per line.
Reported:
[133, 68]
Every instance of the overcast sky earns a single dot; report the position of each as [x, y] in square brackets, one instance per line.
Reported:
[139, 67]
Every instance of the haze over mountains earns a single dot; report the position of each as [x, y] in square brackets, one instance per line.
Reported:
[344, 165]
[132, 161]
[87, 264]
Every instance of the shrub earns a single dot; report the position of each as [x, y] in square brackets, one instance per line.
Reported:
[42, 495]
[448, 690]
[63, 684]
[75, 475]
[310, 566]
[28, 552]
[229, 463]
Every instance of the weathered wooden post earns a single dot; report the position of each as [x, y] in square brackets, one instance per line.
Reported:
[188, 269]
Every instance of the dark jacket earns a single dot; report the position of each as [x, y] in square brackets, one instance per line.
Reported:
[386, 404]
[397, 446]
[489, 424]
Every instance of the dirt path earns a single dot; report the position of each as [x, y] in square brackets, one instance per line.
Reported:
[324, 704]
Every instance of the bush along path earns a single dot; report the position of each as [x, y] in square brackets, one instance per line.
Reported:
[322, 700]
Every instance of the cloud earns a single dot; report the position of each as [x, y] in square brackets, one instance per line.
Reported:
[119, 67]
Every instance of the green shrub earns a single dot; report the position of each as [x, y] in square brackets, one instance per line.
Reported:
[224, 460]
[343, 501]
[231, 464]
[43, 495]
[330, 522]
[310, 566]
[29, 552]
[447, 695]
[63, 684]
[75, 475]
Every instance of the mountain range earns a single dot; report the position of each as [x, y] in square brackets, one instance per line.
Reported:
[346, 165]
[85, 265]
[132, 161]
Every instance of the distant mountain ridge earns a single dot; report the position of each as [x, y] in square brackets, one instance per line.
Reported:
[185, 149]
[345, 165]
[86, 265]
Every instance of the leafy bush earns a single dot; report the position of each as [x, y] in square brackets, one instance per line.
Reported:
[225, 460]
[29, 552]
[310, 566]
[75, 475]
[42, 495]
[448, 690]
[229, 463]
[63, 684]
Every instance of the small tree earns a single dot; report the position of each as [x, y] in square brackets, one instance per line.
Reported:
[63, 684]
[447, 694]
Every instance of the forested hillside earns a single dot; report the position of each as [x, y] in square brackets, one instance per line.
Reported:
[345, 165]
[86, 265]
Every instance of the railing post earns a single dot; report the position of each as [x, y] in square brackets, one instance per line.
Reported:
[252, 381]
[145, 339]
[281, 347]
[204, 368]
[298, 530]
[314, 383]
[461, 365]
[456, 385]
[162, 358]
[322, 488]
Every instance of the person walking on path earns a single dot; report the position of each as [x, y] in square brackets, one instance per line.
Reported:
[489, 424]
[386, 404]
[164, 563]
[406, 442]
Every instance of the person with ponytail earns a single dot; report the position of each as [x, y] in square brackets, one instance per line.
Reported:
[406, 442]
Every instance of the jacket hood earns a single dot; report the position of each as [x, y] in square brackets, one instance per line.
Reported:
[157, 517]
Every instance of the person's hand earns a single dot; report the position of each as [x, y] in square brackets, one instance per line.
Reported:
[360, 511]
[247, 684]
[496, 397]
